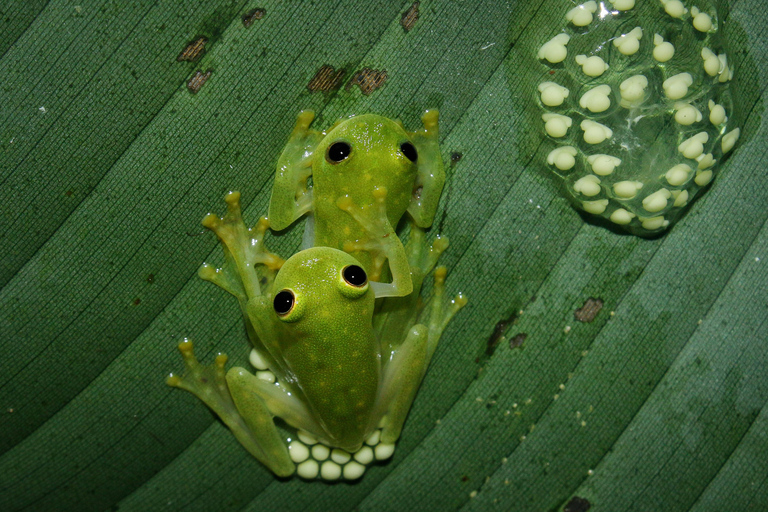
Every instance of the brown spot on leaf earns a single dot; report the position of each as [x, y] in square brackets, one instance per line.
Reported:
[577, 505]
[589, 310]
[518, 340]
[68, 193]
[326, 79]
[368, 79]
[198, 80]
[410, 17]
[465, 478]
[193, 51]
[136, 301]
[498, 333]
[253, 15]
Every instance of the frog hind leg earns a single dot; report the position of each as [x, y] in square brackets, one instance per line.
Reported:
[291, 197]
[257, 433]
[279, 401]
[430, 172]
[382, 243]
[411, 360]
[402, 378]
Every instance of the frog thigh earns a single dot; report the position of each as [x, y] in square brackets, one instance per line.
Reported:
[261, 437]
[290, 197]
[279, 402]
[402, 378]
[431, 175]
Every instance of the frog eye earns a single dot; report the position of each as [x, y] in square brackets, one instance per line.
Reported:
[338, 151]
[409, 151]
[353, 283]
[354, 276]
[284, 302]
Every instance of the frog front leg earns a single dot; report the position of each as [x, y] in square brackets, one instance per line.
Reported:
[291, 198]
[383, 245]
[228, 398]
[244, 251]
[431, 174]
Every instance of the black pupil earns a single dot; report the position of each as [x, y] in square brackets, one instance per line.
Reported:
[283, 302]
[409, 151]
[354, 275]
[338, 151]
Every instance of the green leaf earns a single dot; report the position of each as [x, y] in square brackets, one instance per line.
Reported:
[108, 163]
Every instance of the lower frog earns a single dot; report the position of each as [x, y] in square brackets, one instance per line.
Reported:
[341, 377]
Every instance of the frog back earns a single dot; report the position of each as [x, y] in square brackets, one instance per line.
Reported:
[329, 347]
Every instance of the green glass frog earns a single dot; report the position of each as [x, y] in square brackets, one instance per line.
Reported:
[345, 377]
[351, 166]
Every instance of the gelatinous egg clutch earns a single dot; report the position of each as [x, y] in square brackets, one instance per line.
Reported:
[636, 107]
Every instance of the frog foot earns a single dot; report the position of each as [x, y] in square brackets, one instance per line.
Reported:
[257, 434]
[208, 383]
[376, 226]
[440, 313]
[422, 259]
[243, 250]
[382, 244]
[315, 459]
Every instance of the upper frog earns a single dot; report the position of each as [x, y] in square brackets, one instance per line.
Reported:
[366, 172]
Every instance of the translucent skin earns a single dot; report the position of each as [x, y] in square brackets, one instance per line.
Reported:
[357, 203]
[653, 111]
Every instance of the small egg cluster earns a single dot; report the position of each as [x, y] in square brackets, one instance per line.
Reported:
[313, 458]
[639, 116]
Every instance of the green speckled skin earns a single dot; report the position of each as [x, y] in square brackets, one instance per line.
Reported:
[327, 334]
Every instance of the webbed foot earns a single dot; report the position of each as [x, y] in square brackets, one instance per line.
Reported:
[256, 431]
[382, 244]
[244, 250]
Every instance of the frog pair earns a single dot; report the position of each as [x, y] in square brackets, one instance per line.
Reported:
[340, 335]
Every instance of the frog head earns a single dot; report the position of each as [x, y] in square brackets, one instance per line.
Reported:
[362, 153]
